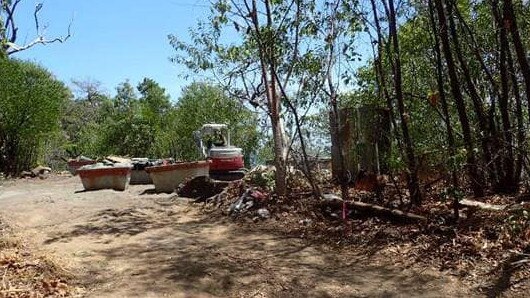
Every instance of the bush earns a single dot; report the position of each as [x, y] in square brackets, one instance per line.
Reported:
[31, 105]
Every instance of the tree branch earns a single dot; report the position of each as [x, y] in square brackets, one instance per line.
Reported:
[10, 11]
[11, 47]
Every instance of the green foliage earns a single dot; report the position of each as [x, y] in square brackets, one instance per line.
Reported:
[263, 179]
[296, 42]
[519, 221]
[154, 100]
[203, 103]
[316, 131]
[152, 125]
[128, 124]
[451, 193]
[146, 124]
[82, 121]
[31, 104]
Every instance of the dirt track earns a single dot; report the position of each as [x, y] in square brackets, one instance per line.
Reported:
[135, 243]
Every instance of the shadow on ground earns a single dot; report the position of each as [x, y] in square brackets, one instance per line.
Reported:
[167, 252]
[115, 222]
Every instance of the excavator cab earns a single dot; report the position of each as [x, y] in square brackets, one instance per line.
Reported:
[226, 160]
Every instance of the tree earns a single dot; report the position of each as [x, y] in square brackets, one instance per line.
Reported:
[9, 29]
[127, 124]
[203, 103]
[155, 110]
[31, 104]
[125, 97]
[510, 23]
[83, 117]
[482, 93]
[442, 96]
[153, 97]
[413, 182]
[266, 64]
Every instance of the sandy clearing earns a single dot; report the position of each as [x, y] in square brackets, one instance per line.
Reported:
[138, 244]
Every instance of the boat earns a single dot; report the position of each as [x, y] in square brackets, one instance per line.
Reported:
[101, 176]
[167, 177]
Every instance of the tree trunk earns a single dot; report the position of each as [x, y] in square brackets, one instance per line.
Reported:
[511, 23]
[506, 181]
[335, 119]
[306, 169]
[521, 135]
[476, 52]
[273, 100]
[413, 183]
[279, 159]
[335, 130]
[380, 76]
[475, 97]
[474, 175]
[445, 107]
[471, 88]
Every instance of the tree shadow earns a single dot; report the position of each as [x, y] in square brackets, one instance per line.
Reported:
[167, 253]
[116, 222]
[150, 191]
[95, 190]
[503, 282]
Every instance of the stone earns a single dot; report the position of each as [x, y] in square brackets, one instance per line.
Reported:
[264, 213]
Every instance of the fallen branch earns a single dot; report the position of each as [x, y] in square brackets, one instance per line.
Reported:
[483, 206]
[14, 290]
[336, 201]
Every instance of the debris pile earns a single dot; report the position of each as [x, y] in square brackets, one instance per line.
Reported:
[485, 240]
[201, 188]
[76, 163]
[138, 174]
[251, 199]
[38, 172]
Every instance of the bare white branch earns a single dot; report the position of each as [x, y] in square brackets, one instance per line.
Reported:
[10, 45]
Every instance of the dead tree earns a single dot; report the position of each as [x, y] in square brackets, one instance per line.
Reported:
[9, 29]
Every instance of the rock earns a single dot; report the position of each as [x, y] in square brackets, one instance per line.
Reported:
[118, 159]
[331, 197]
[264, 213]
[305, 222]
[26, 174]
[40, 170]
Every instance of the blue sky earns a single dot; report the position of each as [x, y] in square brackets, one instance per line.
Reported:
[112, 40]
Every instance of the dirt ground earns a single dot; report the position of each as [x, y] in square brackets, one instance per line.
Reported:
[139, 244]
